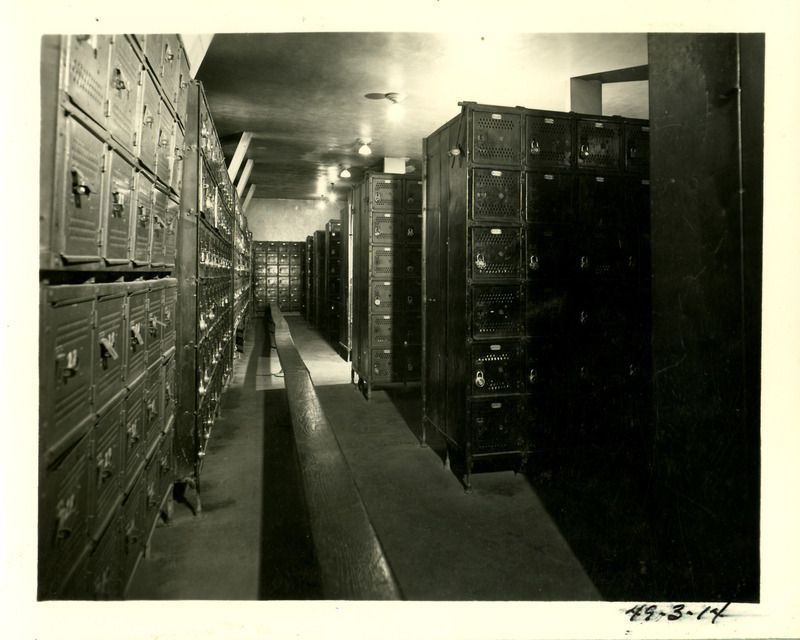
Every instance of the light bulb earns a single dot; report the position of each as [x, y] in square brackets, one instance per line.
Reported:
[364, 150]
[344, 174]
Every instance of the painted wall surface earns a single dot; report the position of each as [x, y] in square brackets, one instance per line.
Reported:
[289, 220]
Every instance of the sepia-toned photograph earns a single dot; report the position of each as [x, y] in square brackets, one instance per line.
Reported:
[370, 328]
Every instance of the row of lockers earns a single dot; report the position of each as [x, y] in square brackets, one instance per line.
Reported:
[514, 136]
[106, 412]
[96, 341]
[324, 280]
[386, 270]
[143, 245]
[536, 279]
[279, 274]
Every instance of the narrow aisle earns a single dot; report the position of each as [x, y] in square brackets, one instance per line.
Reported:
[249, 541]
[499, 543]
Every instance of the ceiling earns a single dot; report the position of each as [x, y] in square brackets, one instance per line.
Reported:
[303, 96]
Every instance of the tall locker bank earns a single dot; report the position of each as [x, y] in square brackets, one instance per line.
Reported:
[332, 286]
[211, 244]
[387, 272]
[536, 285]
[113, 121]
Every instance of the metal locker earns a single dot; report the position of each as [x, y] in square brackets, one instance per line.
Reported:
[496, 195]
[598, 143]
[106, 468]
[495, 252]
[549, 198]
[148, 122]
[118, 209]
[413, 195]
[171, 67]
[87, 60]
[80, 203]
[169, 316]
[105, 569]
[387, 228]
[109, 344]
[545, 252]
[63, 519]
[636, 146]
[67, 356]
[142, 221]
[497, 311]
[176, 160]
[600, 199]
[152, 48]
[413, 228]
[496, 137]
[171, 219]
[546, 308]
[132, 513]
[165, 144]
[123, 92]
[548, 141]
[387, 194]
[496, 426]
[152, 492]
[133, 445]
[159, 225]
[496, 368]
[166, 461]
[137, 331]
[155, 311]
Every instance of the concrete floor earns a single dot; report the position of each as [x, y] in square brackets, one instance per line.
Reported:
[252, 540]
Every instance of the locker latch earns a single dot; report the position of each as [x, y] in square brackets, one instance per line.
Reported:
[65, 509]
[136, 335]
[105, 467]
[480, 261]
[107, 348]
[118, 203]
[151, 495]
[133, 432]
[71, 368]
[533, 376]
[534, 263]
[480, 381]
[585, 263]
[79, 187]
[535, 150]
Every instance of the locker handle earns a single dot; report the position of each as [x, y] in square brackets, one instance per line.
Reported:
[147, 120]
[79, 186]
[152, 410]
[71, 369]
[106, 472]
[66, 509]
[480, 381]
[143, 217]
[108, 349]
[136, 335]
[118, 202]
[133, 432]
[119, 81]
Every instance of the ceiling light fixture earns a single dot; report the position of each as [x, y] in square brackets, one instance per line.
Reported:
[363, 147]
[345, 173]
[395, 110]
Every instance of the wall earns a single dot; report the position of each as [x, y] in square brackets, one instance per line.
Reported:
[706, 175]
[289, 220]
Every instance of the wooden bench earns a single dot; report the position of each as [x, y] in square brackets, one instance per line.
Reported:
[351, 561]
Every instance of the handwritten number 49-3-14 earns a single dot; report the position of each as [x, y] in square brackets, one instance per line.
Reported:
[651, 612]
